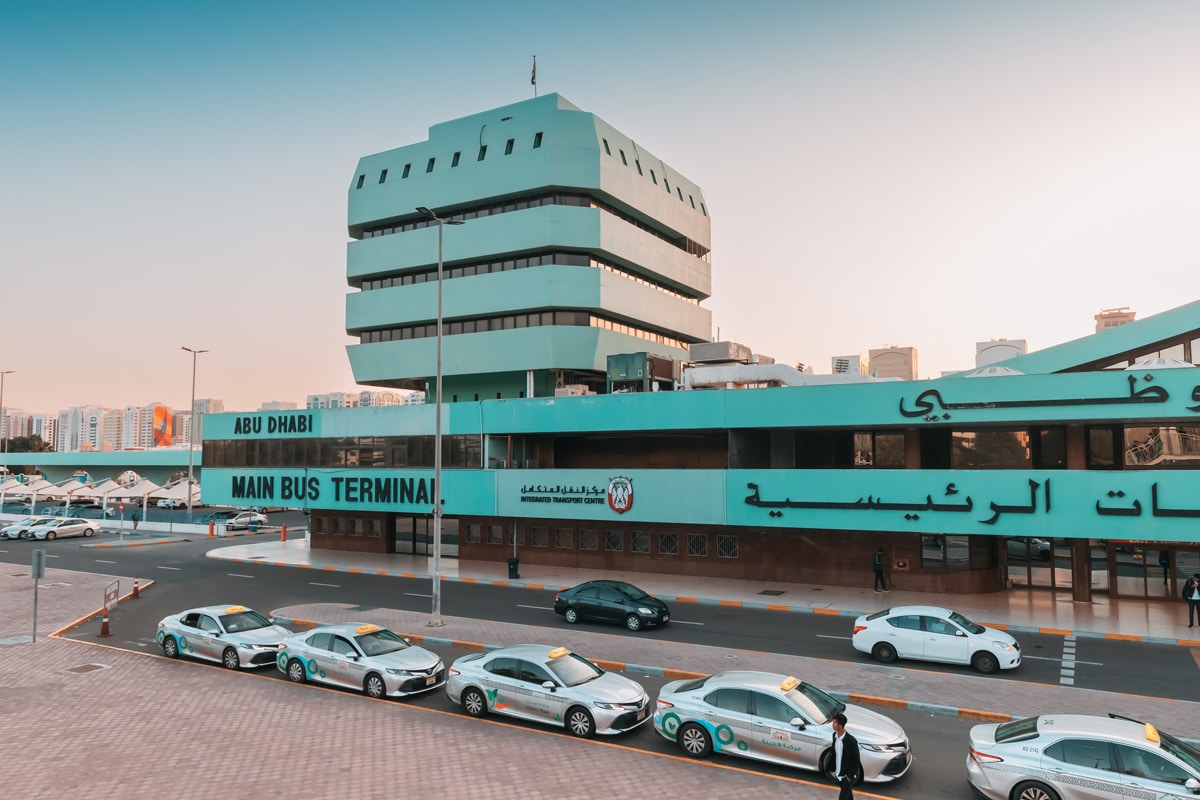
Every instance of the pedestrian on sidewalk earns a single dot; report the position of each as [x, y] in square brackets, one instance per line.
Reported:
[136, 517]
[1164, 561]
[879, 581]
[846, 761]
[1191, 593]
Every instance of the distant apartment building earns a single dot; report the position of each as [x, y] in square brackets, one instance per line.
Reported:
[43, 426]
[146, 426]
[1113, 317]
[893, 362]
[202, 407]
[13, 423]
[278, 405]
[332, 400]
[849, 365]
[995, 350]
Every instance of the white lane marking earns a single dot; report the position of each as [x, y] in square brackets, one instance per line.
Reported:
[102, 561]
[417, 594]
[537, 608]
[827, 636]
[1067, 673]
[330, 585]
[173, 569]
[238, 575]
[684, 622]
[1051, 658]
[50, 555]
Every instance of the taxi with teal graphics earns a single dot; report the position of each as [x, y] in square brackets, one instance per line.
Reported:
[776, 718]
[232, 635]
[362, 656]
[550, 685]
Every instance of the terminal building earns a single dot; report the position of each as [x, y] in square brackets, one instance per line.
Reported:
[589, 420]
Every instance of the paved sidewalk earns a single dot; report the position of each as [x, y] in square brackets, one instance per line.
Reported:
[1017, 610]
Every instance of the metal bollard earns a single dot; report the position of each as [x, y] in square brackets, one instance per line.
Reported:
[211, 526]
[283, 532]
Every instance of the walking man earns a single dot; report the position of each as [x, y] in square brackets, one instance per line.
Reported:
[879, 582]
[1164, 561]
[1191, 593]
[846, 761]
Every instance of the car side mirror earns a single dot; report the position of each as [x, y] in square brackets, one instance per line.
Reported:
[549, 686]
[798, 724]
[1192, 785]
[960, 633]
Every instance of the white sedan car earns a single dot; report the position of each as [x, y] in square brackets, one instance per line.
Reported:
[367, 657]
[20, 529]
[247, 520]
[930, 633]
[61, 527]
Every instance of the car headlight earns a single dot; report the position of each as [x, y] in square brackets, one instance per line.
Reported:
[1008, 648]
[648, 612]
[609, 706]
[408, 673]
[877, 748]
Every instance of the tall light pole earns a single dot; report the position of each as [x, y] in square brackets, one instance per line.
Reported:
[192, 424]
[436, 621]
[5, 429]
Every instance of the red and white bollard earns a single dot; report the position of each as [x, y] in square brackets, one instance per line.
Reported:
[135, 594]
[283, 533]
[104, 624]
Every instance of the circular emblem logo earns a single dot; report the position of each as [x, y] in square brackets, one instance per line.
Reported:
[620, 494]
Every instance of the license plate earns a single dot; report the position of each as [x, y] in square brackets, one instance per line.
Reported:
[430, 679]
[641, 714]
[666, 617]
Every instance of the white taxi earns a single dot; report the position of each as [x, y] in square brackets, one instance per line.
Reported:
[235, 636]
[375, 660]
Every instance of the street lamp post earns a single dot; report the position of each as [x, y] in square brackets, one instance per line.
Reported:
[192, 432]
[436, 621]
[5, 429]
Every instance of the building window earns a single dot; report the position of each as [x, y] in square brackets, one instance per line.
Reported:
[454, 161]
[361, 178]
[638, 164]
[407, 169]
[639, 542]
[703, 210]
[338, 529]
[518, 536]
[668, 544]
[990, 449]
[318, 524]
[374, 529]
[563, 539]
[667, 184]
[495, 534]
[623, 161]
[588, 540]
[697, 544]
[693, 200]
[726, 546]
[654, 177]
[537, 140]
[606, 147]
[508, 146]
[614, 541]
[383, 176]
[482, 152]
[679, 192]
[472, 534]
[356, 527]
[540, 537]
[429, 166]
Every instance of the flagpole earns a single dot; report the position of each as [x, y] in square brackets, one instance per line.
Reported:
[533, 76]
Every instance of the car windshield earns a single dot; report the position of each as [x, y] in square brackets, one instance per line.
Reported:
[632, 592]
[963, 622]
[815, 703]
[1017, 730]
[1183, 751]
[380, 642]
[242, 621]
[573, 670]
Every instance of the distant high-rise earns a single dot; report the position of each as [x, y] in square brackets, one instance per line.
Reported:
[893, 362]
[1113, 317]
[278, 405]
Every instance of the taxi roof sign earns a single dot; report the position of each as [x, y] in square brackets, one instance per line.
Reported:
[235, 609]
[789, 684]
[1151, 733]
[368, 628]
[559, 652]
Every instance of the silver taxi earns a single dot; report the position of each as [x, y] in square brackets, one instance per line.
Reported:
[549, 685]
[235, 636]
[20, 528]
[1073, 757]
[776, 718]
[375, 660]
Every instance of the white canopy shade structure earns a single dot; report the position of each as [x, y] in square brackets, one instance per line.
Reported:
[992, 372]
[143, 489]
[99, 490]
[36, 486]
[1160, 363]
[178, 491]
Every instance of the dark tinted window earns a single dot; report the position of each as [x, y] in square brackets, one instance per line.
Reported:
[505, 667]
[1082, 753]
[533, 673]
[1139, 763]
[736, 700]
[320, 641]
[908, 623]
[773, 708]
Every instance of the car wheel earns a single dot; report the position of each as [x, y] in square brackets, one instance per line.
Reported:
[374, 686]
[985, 663]
[296, 671]
[170, 647]
[633, 622]
[1044, 555]
[230, 659]
[571, 616]
[474, 703]
[828, 761]
[51, 536]
[884, 652]
[88, 531]
[694, 740]
[580, 722]
[1032, 790]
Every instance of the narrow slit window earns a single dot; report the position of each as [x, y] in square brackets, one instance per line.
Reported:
[537, 140]
[703, 210]
[407, 169]
[508, 147]
[623, 159]
[666, 183]
[653, 177]
[606, 147]
[693, 200]
[638, 164]
[454, 161]
[482, 152]
[383, 176]
[679, 192]
[361, 178]
[429, 166]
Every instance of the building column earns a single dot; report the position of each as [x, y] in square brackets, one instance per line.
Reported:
[1081, 549]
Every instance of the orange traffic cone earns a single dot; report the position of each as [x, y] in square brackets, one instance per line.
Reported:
[104, 625]
[136, 596]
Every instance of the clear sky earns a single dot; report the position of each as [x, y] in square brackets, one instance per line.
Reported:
[878, 173]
